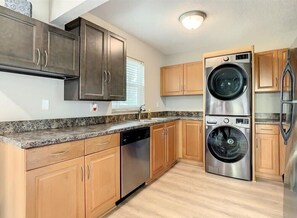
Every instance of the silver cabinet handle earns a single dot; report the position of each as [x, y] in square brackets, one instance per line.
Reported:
[59, 153]
[38, 58]
[46, 58]
[105, 76]
[276, 81]
[88, 172]
[82, 173]
[109, 76]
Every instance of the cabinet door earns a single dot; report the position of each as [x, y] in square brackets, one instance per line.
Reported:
[20, 40]
[56, 190]
[193, 78]
[170, 143]
[116, 68]
[93, 76]
[282, 60]
[60, 51]
[102, 181]
[266, 69]
[192, 140]
[267, 154]
[172, 80]
[157, 149]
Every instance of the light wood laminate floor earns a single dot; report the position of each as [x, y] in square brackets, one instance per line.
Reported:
[186, 191]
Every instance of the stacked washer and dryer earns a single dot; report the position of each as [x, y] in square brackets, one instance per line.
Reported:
[228, 110]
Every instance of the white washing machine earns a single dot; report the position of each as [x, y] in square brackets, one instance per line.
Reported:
[229, 87]
[228, 146]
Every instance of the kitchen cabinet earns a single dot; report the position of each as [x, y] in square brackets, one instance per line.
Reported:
[163, 148]
[56, 190]
[102, 64]
[170, 133]
[268, 69]
[267, 151]
[102, 181]
[157, 149]
[182, 79]
[193, 78]
[35, 47]
[74, 179]
[193, 140]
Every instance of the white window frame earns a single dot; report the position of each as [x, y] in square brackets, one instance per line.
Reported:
[116, 105]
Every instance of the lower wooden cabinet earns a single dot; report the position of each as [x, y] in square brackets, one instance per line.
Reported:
[268, 152]
[163, 148]
[170, 133]
[193, 140]
[72, 180]
[102, 181]
[56, 190]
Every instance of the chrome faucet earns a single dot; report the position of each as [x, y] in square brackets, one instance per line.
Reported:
[141, 109]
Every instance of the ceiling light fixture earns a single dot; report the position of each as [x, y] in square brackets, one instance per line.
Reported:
[192, 19]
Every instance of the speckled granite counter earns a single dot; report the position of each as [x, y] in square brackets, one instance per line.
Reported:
[53, 136]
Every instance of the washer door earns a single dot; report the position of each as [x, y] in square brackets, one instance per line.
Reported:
[227, 144]
[227, 82]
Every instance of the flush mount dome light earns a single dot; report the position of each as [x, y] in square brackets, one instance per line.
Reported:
[192, 19]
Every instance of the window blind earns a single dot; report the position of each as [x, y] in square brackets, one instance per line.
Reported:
[134, 87]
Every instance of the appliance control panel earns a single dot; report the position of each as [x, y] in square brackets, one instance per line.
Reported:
[244, 122]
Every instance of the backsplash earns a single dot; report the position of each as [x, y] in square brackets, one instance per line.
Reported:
[268, 116]
[33, 125]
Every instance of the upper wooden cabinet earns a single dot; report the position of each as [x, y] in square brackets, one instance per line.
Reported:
[182, 79]
[268, 69]
[193, 78]
[163, 148]
[102, 64]
[193, 140]
[31, 47]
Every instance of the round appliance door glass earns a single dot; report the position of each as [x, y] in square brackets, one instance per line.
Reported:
[227, 144]
[227, 82]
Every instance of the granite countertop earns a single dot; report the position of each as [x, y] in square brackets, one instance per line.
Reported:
[40, 138]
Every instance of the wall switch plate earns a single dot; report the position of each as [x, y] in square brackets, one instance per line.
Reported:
[44, 104]
[93, 107]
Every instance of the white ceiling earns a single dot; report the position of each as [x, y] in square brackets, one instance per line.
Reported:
[229, 23]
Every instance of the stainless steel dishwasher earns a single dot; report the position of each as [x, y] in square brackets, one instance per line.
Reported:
[135, 159]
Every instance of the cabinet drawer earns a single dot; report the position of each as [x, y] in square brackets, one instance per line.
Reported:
[101, 143]
[267, 129]
[47, 155]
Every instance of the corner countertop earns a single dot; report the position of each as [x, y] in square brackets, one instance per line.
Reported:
[40, 138]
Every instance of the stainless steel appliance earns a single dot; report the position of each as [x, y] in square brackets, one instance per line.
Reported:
[288, 127]
[135, 159]
[228, 146]
[228, 89]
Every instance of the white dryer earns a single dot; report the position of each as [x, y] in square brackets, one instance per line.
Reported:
[228, 146]
[228, 85]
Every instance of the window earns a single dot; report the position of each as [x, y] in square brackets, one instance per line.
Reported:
[134, 87]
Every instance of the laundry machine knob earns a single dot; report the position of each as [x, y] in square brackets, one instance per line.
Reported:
[226, 58]
[226, 120]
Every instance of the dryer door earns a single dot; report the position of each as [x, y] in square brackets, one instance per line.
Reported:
[227, 82]
[227, 144]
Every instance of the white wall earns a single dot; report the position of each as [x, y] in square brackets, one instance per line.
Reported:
[21, 96]
[184, 103]
[267, 103]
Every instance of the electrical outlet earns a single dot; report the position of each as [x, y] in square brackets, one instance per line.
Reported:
[44, 104]
[157, 104]
[93, 107]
